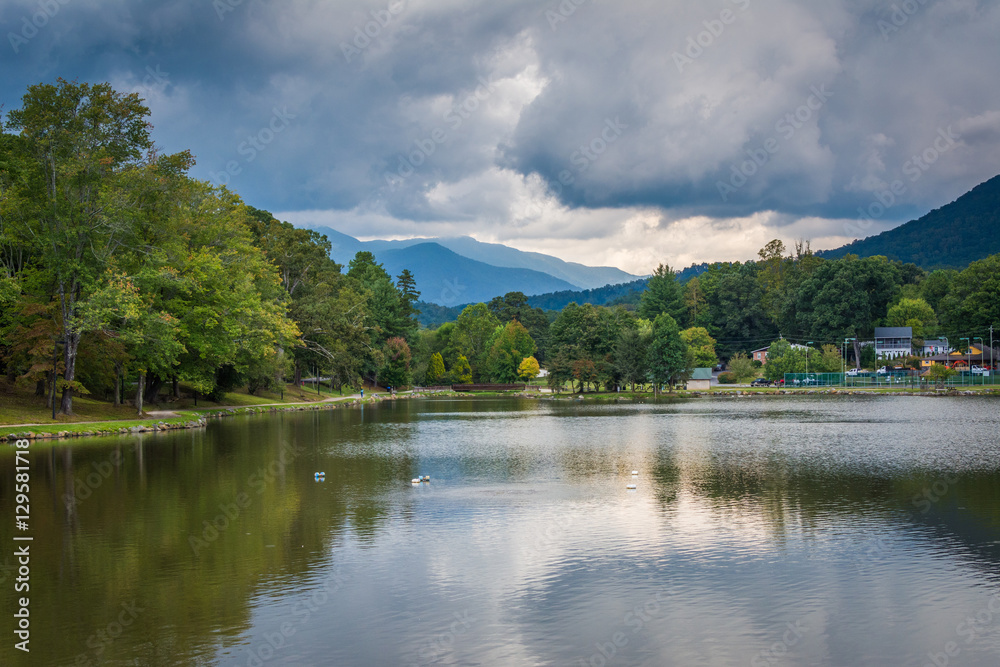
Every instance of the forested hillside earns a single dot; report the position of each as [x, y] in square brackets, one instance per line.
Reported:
[951, 237]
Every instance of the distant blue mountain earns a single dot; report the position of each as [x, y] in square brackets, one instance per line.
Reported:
[444, 277]
[578, 276]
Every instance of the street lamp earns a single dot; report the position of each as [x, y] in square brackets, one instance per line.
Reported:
[807, 359]
[968, 352]
[981, 358]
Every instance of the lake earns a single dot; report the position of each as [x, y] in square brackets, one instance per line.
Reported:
[762, 531]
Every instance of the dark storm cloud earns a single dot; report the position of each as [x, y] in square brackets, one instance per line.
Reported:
[724, 109]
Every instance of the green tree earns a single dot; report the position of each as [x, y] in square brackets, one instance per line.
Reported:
[940, 374]
[663, 295]
[829, 360]
[783, 358]
[696, 304]
[514, 306]
[915, 313]
[667, 356]
[507, 347]
[742, 368]
[395, 372]
[461, 371]
[435, 372]
[528, 369]
[935, 287]
[772, 269]
[471, 336]
[973, 303]
[80, 135]
[406, 284]
[735, 300]
[846, 298]
[631, 355]
[701, 346]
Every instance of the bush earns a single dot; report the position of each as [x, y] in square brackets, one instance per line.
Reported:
[757, 363]
[727, 378]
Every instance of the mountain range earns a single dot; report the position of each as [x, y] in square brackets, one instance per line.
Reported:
[454, 271]
[458, 270]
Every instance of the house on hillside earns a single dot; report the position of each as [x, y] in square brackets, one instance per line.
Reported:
[701, 380]
[893, 342]
[936, 346]
[761, 354]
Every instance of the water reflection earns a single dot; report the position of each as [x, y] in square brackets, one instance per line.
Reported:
[791, 531]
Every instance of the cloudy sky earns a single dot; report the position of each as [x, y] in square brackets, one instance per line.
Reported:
[611, 132]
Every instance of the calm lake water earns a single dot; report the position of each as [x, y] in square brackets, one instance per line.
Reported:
[791, 531]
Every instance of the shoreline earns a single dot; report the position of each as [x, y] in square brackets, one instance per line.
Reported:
[192, 419]
[185, 420]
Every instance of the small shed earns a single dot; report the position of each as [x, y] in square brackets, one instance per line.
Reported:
[701, 380]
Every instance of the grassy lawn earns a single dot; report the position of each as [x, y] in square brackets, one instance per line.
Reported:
[21, 406]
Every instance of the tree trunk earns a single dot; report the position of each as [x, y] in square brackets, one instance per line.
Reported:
[297, 379]
[118, 385]
[72, 342]
[138, 393]
[177, 389]
[41, 388]
[857, 352]
[153, 390]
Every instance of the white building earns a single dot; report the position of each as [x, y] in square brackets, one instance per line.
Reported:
[936, 346]
[893, 342]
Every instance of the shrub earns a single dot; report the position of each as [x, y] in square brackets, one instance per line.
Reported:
[727, 378]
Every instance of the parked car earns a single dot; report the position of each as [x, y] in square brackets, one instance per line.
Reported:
[761, 382]
[882, 370]
[854, 371]
[978, 370]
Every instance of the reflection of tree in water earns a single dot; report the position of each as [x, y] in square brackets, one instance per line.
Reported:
[793, 498]
[129, 535]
